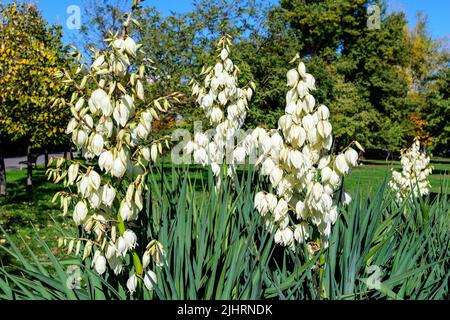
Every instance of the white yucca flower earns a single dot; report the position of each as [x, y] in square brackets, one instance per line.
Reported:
[113, 131]
[296, 161]
[412, 181]
[225, 106]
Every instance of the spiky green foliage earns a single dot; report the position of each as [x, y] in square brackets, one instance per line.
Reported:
[217, 248]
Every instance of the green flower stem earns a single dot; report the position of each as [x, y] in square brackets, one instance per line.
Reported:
[321, 270]
[136, 260]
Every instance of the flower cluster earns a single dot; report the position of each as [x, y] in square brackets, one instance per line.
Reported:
[412, 180]
[225, 106]
[304, 177]
[112, 125]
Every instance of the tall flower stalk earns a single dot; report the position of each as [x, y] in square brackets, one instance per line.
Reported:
[112, 126]
[412, 181]
[225, 106]
[305, 177]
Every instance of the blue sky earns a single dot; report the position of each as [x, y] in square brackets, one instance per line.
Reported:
[437, 11]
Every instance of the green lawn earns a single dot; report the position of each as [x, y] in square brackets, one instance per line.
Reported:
[21, 213]
[373, 172]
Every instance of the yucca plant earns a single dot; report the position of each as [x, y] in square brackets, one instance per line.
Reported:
[380, 250]
[215, 247]
[218, 248]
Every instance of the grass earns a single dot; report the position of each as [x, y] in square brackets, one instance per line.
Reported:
[21, 214]
[372, 173]
[217, 248]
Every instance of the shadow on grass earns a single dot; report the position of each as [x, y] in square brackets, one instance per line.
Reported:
[441, 172]
[19, 209]
[42, 189]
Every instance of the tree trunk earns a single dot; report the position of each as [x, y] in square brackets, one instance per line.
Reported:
[46, 158]
[388, 155]
[29, 171]
[2, 174]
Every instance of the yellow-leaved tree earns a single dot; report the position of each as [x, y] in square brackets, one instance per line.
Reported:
[30, 54]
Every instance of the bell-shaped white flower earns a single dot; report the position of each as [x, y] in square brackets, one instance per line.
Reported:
[239, 155]
[80, 212]
[127, 211]
[132, 284]
[326, 174]
[71, 126]
[272, 202]
[323, 112]
[121, 114]
[118, 169]
[72, 173]
[260, 203]
[108, 195]
[101, 101]
[216, 115]
[300, 210]
[301, 233]
[142, 132]
[100, 264]
[341, 164]
[308, 123]
[116, 264]
[95, 200]
[130, 238]
[94, 180]
[334, 179]
[317, 191]
[130, 46]
[122, 246]
[146, 259]
[347, 199]
[284, 237]
[302, 89]
[302, 69]
[275, 176]
[324, 128]
[292, 77]
[200, 156]
[119, 44]
[280, 210]
[97, 144]
[224, 54]
[106, 160]
[149, 279]
[80, 138]
[145, 153]
[351, 156]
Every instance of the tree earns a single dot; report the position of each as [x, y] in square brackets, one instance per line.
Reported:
[326, 27]
[2, 173]
[180, 44]
[428, 72]
[367, 71]
[373, 80]
[100, 17]
[437, 109]
[30, 54]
